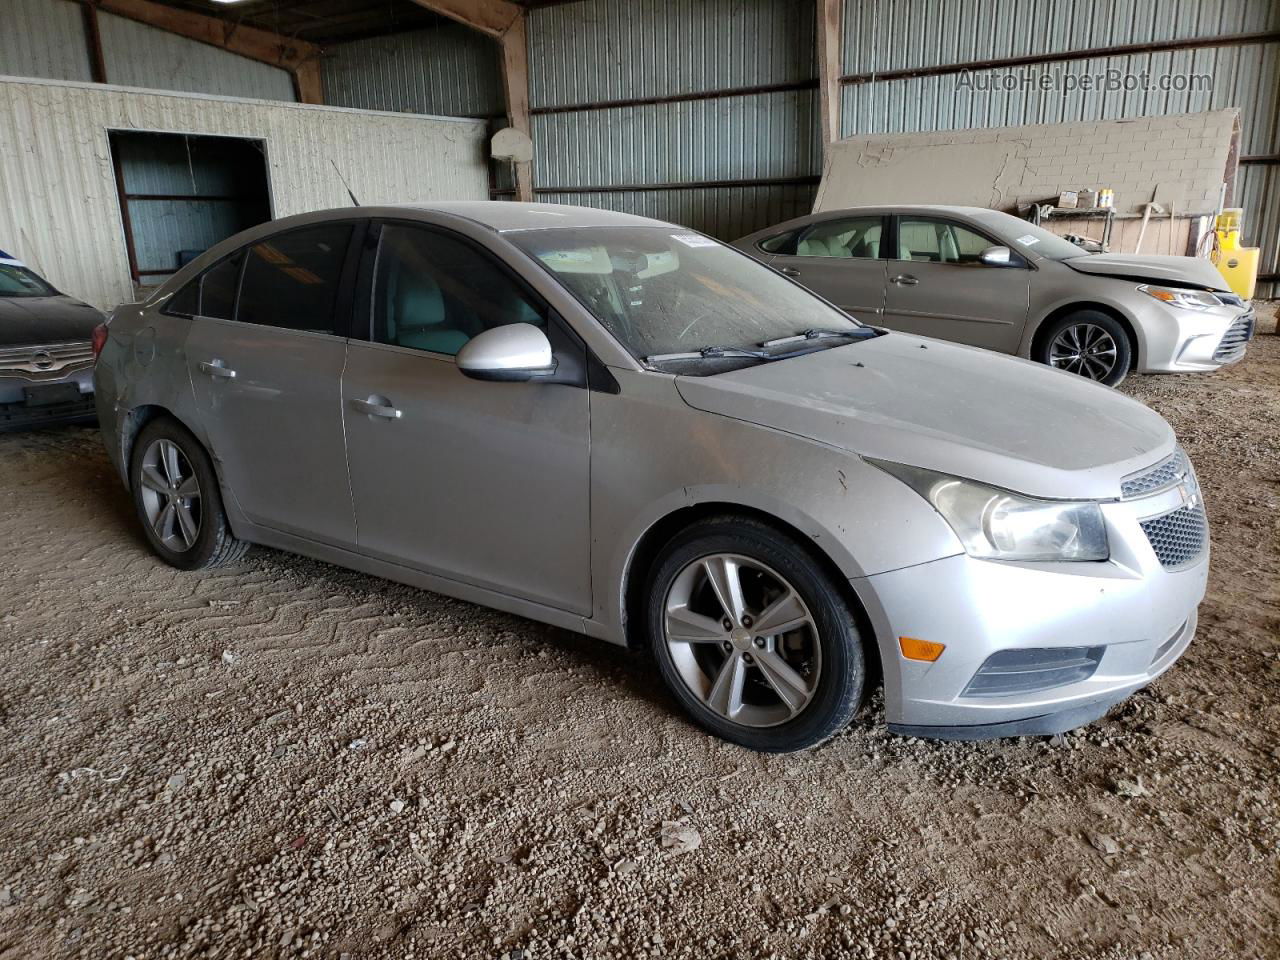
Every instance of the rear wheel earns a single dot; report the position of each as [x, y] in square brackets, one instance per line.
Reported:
[753, 638]
[1090, 343]
[175, 492]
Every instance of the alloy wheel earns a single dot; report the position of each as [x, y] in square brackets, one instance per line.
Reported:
[171, 495]
[1085, 349]
[742, 640]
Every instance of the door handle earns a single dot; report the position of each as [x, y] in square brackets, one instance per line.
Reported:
[904, 280]
[789, 271]
[217, 369]
[377, 407]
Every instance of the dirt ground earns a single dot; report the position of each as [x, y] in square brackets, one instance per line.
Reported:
[287, 759]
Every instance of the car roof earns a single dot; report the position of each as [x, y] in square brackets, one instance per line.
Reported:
[936, 208]
[501, 216]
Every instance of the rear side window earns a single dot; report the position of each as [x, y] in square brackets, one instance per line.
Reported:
[218, 289]
[291, 280]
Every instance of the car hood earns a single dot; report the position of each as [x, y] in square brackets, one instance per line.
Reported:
[34, 320]
[1176, 270]
[950, 408]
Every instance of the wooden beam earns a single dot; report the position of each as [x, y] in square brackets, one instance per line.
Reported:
[491, 17]
[308, 82]
[830, 27]
[261, 45]
[515, 83]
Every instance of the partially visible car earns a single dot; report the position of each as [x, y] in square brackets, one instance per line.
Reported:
[989, 279]
[46, 351]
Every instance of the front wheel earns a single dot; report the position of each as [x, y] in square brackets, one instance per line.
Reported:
[1090, 343]
[753, 638]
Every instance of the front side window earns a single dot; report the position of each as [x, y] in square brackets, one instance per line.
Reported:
[16, 281]
[291, 279]
[939, 241]
[856, 238]
[662, 290]
[433, 292]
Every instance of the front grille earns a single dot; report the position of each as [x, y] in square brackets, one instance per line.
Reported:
[1234, 342]
[45, 359]
[1029, 671]
[1179, 537]
[1167, 473]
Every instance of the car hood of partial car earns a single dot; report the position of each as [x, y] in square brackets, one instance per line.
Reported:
[38, 320]
[955, 409]
[1181, 271]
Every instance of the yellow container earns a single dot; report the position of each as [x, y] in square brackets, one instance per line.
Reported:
[1239, 267]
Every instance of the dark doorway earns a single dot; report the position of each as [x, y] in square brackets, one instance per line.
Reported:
[182, 193]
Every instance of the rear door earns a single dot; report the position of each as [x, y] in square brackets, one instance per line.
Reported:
[841, 260]
[482, 482]
[265, 353]
[939, 288]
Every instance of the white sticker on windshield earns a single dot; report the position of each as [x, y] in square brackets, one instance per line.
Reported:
[694, 240]
[1028, 240]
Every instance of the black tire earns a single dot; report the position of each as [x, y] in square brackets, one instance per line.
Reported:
[1086, 324]
[839, 689]
[213, 545]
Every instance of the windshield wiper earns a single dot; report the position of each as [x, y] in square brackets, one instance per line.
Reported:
[857, 333]
[714, 353]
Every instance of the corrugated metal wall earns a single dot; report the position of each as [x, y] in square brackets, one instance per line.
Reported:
[137, 55]
[43, 38]
[592, 57]
[58, 203]
[448, 71]
[46, 39]
[890, 36]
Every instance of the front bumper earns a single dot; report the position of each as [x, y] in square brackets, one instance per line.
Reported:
[1130, 612]
[1175, 340]
[26, 403]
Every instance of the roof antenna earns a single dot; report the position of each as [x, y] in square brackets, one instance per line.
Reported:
[354, 201]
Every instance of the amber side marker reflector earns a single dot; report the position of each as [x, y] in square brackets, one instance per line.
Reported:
[914, 649]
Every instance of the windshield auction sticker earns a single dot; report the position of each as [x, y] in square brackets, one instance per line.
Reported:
[1028, 240]
[694, 240]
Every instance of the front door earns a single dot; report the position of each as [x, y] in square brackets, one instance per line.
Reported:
[842, 261]
[481, 482]
[266, 365]
[939, 288]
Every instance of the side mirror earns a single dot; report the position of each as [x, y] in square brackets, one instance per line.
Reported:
[516, 351]
[997, 257]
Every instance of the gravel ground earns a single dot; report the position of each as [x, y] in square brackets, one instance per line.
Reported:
[287, 759]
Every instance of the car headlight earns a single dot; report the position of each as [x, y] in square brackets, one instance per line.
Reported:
[1186, 299]
[998, 525]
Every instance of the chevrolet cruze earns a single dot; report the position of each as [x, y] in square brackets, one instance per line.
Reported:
[623, 427]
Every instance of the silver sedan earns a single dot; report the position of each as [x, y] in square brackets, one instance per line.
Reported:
[988, 279]
[623, 427]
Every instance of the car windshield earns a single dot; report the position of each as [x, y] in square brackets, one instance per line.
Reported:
[1026, 237]
[663, 290]
[16, 281]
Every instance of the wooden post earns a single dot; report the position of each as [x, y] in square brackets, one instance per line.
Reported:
[93, 38]
[830, 67]
[308, 82]
[515, 82]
